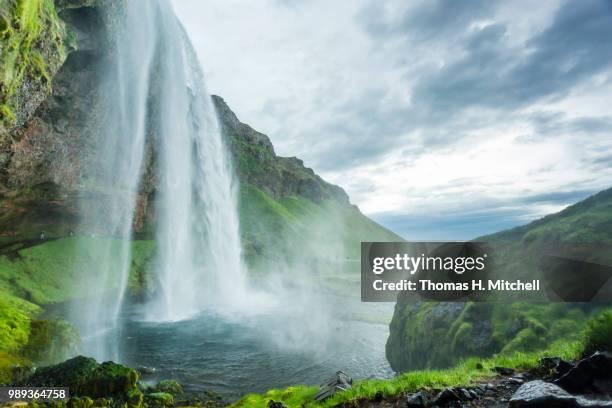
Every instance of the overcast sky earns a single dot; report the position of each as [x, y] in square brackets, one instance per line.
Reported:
[441, 119]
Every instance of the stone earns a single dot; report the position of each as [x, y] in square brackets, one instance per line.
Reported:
[536, 394]
[276, 404]
[446, 396]
[417, 400]
[591, 375]
[503, 370]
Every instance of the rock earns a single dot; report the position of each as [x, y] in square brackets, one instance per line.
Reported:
[445, 397]
[536, 394]
[465, 394]
[146, 370]
[159, 400]
[479, 366]
[86, 378]
[555, 366]
[338, 382]
[417, 400]
[169, 387]
[276, 404]
[591, 375]
[503, 371]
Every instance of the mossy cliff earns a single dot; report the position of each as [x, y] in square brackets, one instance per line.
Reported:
[440, 334]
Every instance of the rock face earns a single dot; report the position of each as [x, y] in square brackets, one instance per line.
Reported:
[336, 383]
[257, 163]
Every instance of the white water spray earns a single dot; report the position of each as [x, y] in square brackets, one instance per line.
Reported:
[200, 259]
[155, 94]
[115, 176]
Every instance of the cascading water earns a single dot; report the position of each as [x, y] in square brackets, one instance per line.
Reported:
[200, 260]
[115, 175]
[155, 95]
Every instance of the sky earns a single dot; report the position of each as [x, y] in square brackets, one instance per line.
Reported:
[441, 119]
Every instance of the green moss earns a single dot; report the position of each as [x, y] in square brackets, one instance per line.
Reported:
[159, 400]
[51, 272]
[31, 44]
[51, 341]
[169, 387]
[598, 333]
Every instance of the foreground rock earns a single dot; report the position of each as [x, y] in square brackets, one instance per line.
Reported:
[592, 375]
[536, 394]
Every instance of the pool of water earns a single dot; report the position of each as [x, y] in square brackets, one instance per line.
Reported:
[236, 355]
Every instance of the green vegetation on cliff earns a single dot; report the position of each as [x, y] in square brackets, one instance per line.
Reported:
[31, 50]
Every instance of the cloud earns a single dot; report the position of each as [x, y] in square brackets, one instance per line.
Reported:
[424, 107]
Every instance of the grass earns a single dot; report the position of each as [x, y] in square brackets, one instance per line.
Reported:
[465, 373]
[47, 273]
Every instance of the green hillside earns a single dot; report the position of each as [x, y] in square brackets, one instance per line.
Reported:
[440, 334]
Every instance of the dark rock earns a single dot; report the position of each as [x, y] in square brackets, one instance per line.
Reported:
[417, 400]
[445, 397]
[465, 394]
[276, 404]
[592, 375]
[536, 394]
[479, 366]
[555, 366]
[503, 371]
[338, 382]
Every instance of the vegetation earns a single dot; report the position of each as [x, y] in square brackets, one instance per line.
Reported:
[465, 373]
[31, 48]
[598, 333]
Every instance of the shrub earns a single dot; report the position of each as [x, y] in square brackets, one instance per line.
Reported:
[598, 333]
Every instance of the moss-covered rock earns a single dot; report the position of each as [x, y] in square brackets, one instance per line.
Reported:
[159, 400]
[31, 51]
[86, 378]
[169, 387]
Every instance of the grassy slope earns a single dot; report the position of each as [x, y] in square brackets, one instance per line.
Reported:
[44, 274]
[296, 227]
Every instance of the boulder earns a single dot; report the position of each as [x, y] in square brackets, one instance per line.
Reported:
[86, 378]
[540, 394]
[592, 375]
[417, 400]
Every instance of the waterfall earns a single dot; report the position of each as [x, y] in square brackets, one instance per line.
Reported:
[155, 99]
[200, 260]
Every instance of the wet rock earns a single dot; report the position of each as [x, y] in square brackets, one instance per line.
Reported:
[555, 367]
[445, 397]
[85, 377]
[169, 387]
[417, 400]
[338, 382]
[536, 394]
[592, 375]
[503, 371]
